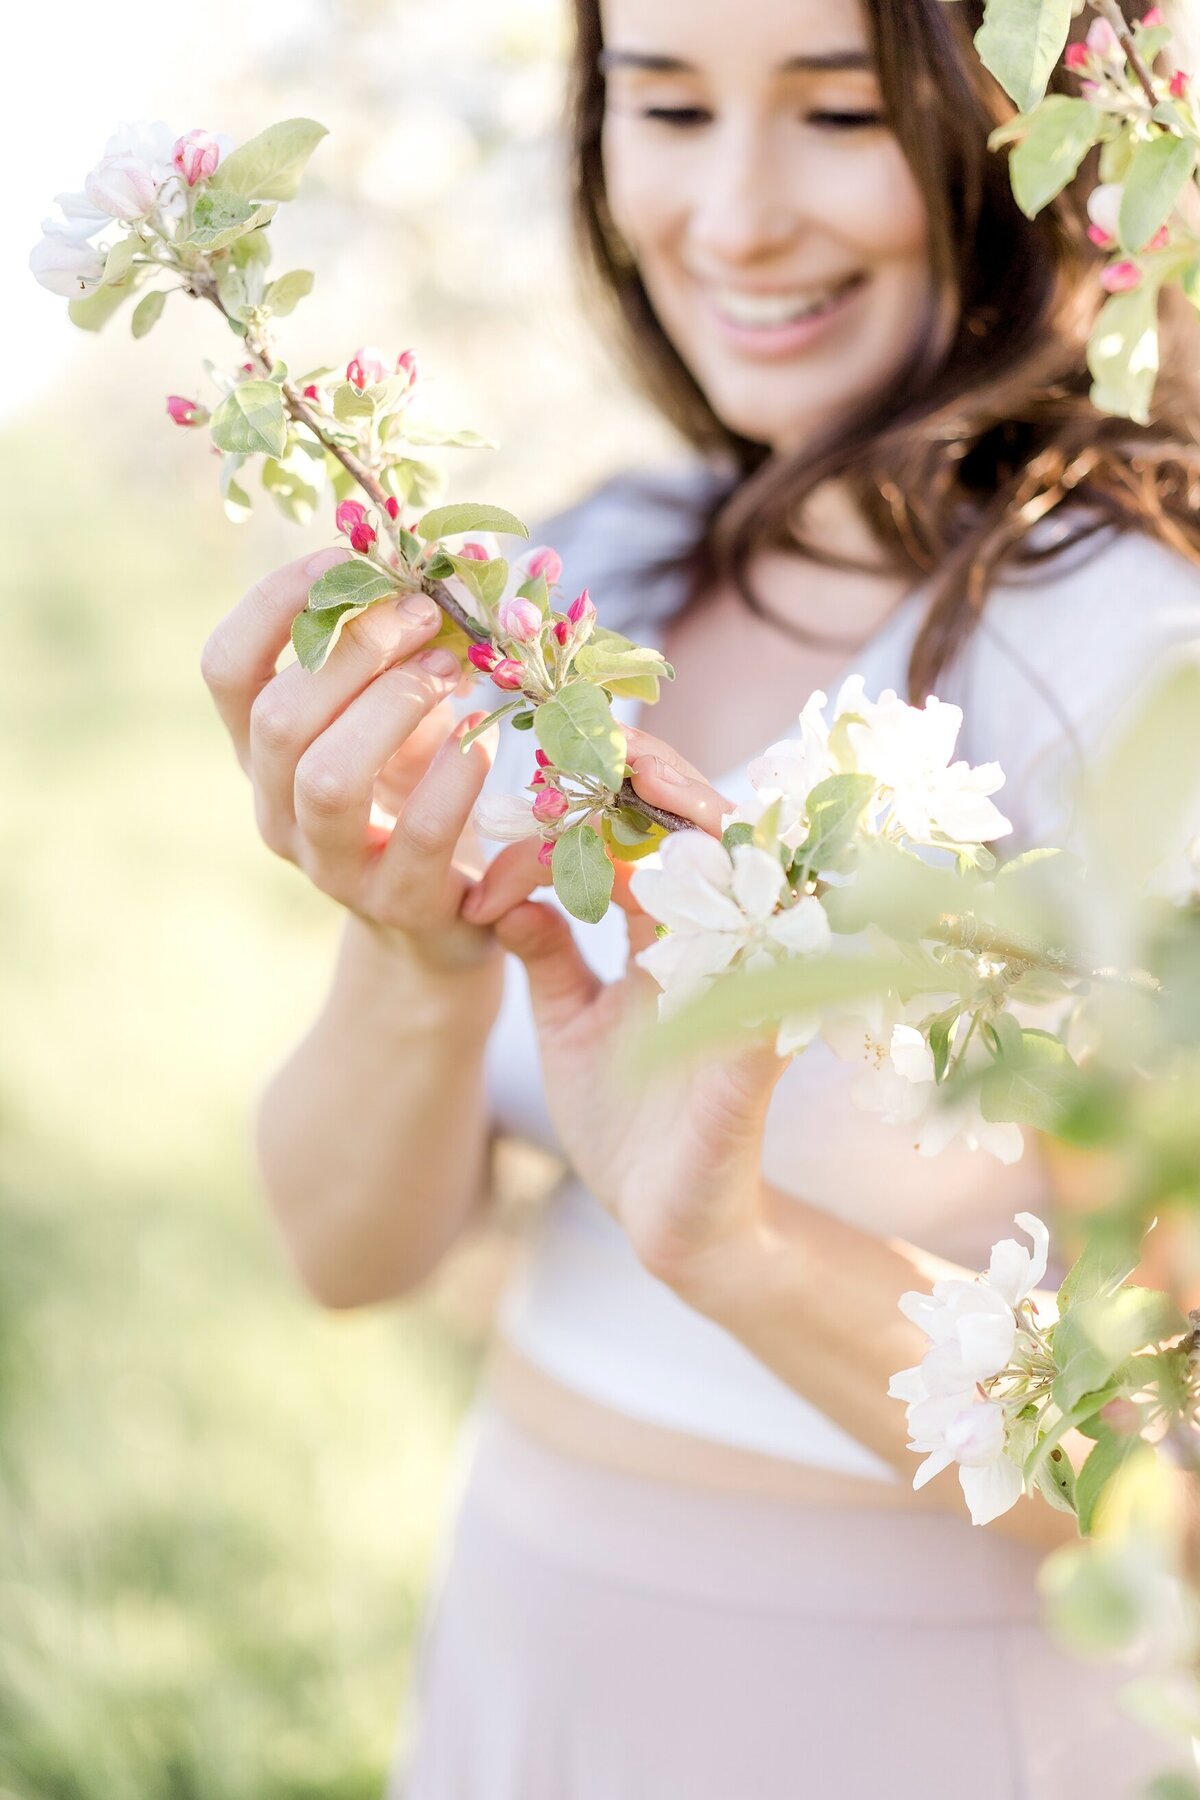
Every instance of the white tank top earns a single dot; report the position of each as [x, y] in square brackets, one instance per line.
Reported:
[1053, 657]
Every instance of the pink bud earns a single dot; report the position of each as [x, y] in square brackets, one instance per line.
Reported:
[562, 632]
[1123, 1415]
[1179, 84]
[349, 514]
[1100, 237]
[196, 155]
[483, 656]
[1160, 239]
[361, 538]
[549, 806]
[312, 391]
[546, 855]
[1153, 17]
[474, 552]
[1103, 42]
[542, 760]
[538, 779]
[1078, 57]
[544, 562]
[247, 368]
[408, 363]
[366, 367]
[508, 675]
[581, 611]
[1120, 277]
[391, 507]
[186, 412]
[1090, 90]
[520, 620]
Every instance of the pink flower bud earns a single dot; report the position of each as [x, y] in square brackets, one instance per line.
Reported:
[538, 779]
[391, 507]
[1120, 277]
[581, 611]
[1124, 1416]
[408, 363]
[1160, 239]
[562, 632]
[520, 620]
[1179, 85]
[549, 806]
[1100, 237]
[1090, 90]
[483, 656]
[546, 855]
[196, 155]
[349, 514]
[542, 760]
[1153, 17]
[361, 538]
[312, 391]
[1077, 57]
[246, 368]
[508, 675]
[186, 412]
[1103, 42]
[544, 562]
[366, 367]
[474, 552]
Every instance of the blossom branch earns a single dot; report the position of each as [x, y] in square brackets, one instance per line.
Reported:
[1109, 10]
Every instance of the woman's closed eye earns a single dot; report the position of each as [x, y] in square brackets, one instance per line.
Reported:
[683, 117]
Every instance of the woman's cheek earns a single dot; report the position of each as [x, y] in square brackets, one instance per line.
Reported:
[645, 187]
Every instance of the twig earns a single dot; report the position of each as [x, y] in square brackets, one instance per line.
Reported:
[1112, 12]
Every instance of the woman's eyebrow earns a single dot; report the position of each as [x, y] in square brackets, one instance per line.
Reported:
[810, 62]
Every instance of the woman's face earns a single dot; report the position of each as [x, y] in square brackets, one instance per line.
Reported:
[777, 228]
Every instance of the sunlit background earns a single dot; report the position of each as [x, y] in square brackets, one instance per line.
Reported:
[217, 1505]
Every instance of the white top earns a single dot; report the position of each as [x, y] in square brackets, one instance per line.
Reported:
[1051, 660]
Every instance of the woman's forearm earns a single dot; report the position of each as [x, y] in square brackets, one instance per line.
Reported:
[373, 1137]
[816, 1300]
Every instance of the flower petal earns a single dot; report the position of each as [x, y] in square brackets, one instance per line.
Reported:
[803, 930]
[991, 1490]
[757, 881]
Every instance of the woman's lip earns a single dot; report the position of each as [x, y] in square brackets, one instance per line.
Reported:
[771, 341]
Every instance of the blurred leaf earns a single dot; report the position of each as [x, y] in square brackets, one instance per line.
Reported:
[93, 311]
[1095, 1337]
[835, 810]
[1021, 41]
[1111, 1453]
[148, 312]
[1032, 1081]
[1123, 353]
[1159, 170]
[1059, 133]
[285, 293]
[315, 633]
[270, 166]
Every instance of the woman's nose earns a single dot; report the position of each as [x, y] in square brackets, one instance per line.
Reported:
[743, 210]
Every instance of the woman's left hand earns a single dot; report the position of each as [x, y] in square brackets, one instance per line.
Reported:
[675, 1159]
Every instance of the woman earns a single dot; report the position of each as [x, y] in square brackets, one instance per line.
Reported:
[686, 1559]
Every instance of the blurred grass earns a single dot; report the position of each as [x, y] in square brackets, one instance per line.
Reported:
[217, 1505]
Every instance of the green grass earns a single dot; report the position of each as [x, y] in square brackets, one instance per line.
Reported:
[217, 1505]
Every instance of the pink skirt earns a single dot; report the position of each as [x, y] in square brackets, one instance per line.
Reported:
[597, 1636]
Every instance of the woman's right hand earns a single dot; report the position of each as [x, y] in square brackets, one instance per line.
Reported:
[372, 724]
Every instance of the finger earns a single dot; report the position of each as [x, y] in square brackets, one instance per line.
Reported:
[561, 985]
[512, 875]
[294, 709]
[335, 776]
[666, 780]
[411, 874]
[240, 654]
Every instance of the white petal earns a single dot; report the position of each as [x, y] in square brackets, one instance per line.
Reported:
[933, 1465]
[508, 817]
[985, 1342]
[976, 1437]
[684, 963]
[696, 853]
[917, 1307]
[1012, 1271]
[685, 901]
[757, 881]
[797, 1033]
[803, 930]
[991, 1490]
[909, 1385]
[910, 1054]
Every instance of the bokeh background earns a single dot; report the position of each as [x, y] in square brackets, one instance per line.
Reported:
[219, 1506]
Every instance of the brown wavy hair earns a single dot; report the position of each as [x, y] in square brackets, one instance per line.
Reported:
[988, 426]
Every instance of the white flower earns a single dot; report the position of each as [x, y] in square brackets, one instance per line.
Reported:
[83, 220]
[66, 264]
[960, 1428]
[507, 817]
[962, 1118]
[1013, 1271]
[788, 772]
[719, 907]
[136, 164]
[1104, 207]
[971, 1327]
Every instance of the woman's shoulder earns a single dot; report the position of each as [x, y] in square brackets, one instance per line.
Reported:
[625, 539]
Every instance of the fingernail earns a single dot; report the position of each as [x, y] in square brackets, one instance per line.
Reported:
[419, 609]
[323, 561]
[438, 662]
[662, 771]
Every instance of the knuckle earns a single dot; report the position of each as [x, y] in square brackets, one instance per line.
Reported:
[275, 834]
[423, 830]
[218, 669]
[271, 721]
[323, 788]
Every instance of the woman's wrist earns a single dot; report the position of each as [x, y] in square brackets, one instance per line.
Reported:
[451, 983]
[736, 1281]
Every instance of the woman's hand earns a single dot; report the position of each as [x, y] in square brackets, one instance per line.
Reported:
[372, 725]
[676, 1159]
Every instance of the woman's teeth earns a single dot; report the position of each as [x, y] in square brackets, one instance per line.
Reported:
[766, 310]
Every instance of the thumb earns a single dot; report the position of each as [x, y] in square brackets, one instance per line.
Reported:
[561, 985]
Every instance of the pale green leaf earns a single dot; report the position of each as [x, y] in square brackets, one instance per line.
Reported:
[1159, 171]
[219, 219]
[251, 419]
[147, 312]
[269, 166]
[285, 293]
[580, 736]
[454, 521]
[355, 581]
[1123, 354]
[92, 311]
[1021, 41]
[315, 633]
[120, 260]
[582, 873]
[1060, 133]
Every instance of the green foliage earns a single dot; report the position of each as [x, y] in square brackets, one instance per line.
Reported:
[1112, 1452]
[1052, 142]
[1055, 1481]
[91, 312]
[493, 718]
[354, 580]
[315, 633]
[1093, 1605]
[251, 419]
[835, 810]
[580, 736]
[583, 875]
[621, 666]
[269, 166]
[1032, 1079]
[294, 481]
[1096, 1337]
[1021, 41]
[1123, 353]
[119, 260]
[486, 580]
[284, 294]
[468, 515]
[1159, 170]
[148, 312]
[219, 219]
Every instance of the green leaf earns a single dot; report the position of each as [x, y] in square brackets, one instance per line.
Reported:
[1060, 133]
[315, 633]
[236, 500]
[630, 835]
[468, 738]
[285, 293]
[250, 419]
[1111, 1453]
[835, 808]
[1086, 1408]
[1159, 171]
[1091, 1600]
[349, 404]
[1123, 353]
[252, 252]
[583, 875]
[288, 485]
[120, 259]
[1032, 1082]
[615, 667]
[219, 219]
[147, 312]
[269, 166]
[740, 832]
[1109, 1258]
[1055, 1480]
[92, 311]
[422, 432]
[1021, 41]
[486, 580]
[354, 581]
[453, 521]
[1094, 1339]
[941, 1034]
[580, 736]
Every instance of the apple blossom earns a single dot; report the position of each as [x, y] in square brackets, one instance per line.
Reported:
[475, 552]
[1153, 17]
[391, 507]
[1103, 42]
[562, 632]
[408, 363]
[349, 514]
[549, 806]
[483, 656]
[1179, 85]
[508, 674]
[520, 620]
[546, 854]
[1077, 57]
[1104, 207]
[366, 367]
[543, 562]
[187, 412]
[196, 155]
[506, 817]
[65, 264]
[123, 187]
[83, 220]
[1120, 277]
[581, 610]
